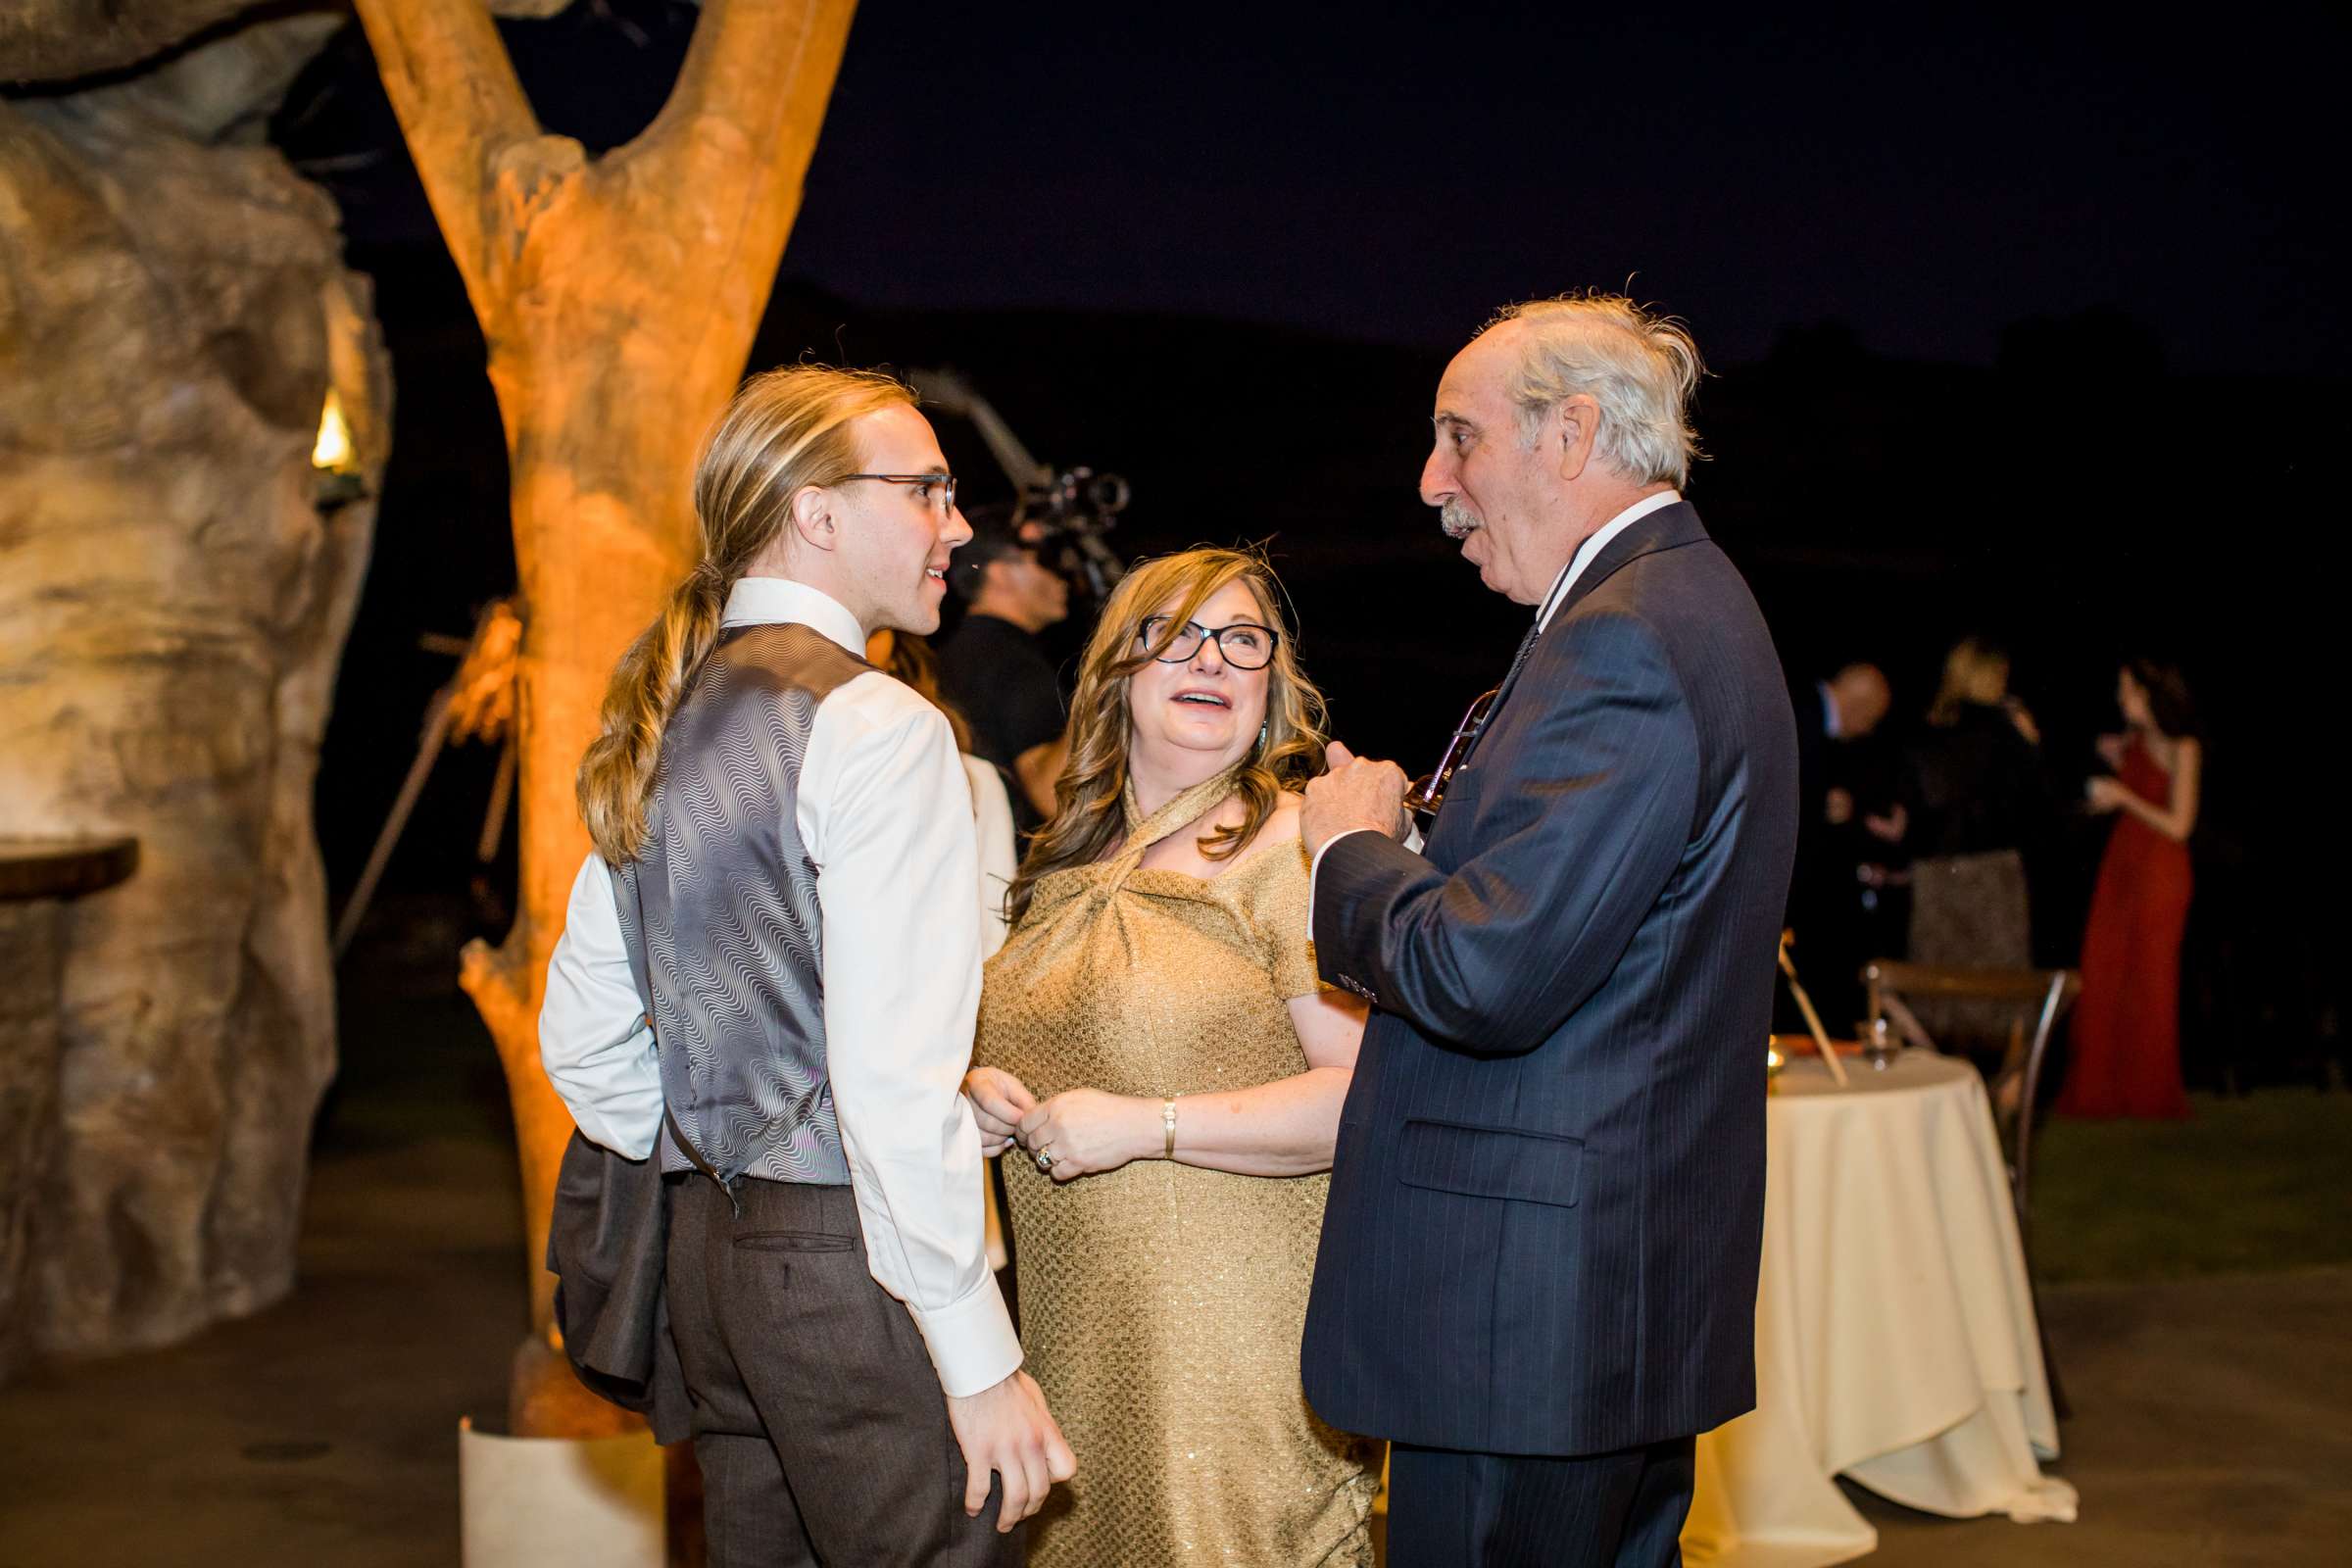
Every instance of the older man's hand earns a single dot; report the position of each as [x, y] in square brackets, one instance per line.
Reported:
[1357, 793]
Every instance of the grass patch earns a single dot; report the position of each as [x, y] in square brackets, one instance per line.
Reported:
[2243, 1186]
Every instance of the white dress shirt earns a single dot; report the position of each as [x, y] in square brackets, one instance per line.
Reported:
[886, 812]
[1594, 543]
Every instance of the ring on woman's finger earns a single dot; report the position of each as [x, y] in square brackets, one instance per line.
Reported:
[1045, 1159]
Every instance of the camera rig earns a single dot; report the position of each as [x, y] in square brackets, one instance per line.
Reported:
[1067, 511]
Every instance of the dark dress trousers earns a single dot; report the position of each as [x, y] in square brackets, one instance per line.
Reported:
[1547, 1200]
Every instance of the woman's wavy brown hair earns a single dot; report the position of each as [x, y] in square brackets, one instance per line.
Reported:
[1089, 822]
[785, 430]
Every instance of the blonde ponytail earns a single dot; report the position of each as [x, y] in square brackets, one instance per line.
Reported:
[784, 432]
[617, 775]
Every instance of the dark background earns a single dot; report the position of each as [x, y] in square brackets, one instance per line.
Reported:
[2028, 324]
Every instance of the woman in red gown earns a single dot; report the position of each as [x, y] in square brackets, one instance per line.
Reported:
[2127, 1059]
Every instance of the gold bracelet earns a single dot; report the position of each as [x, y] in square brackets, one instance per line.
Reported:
[1167, 1120]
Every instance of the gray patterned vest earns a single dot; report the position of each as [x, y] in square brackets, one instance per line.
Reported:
[720, 918]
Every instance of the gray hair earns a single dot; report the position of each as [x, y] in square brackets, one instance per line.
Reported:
[1640, 369]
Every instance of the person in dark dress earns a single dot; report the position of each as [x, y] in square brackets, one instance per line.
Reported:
[994, 671]
[1973, 797]
[2127, 1033]
[1976, 783]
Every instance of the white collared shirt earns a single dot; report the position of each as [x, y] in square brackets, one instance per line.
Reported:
[885, 810]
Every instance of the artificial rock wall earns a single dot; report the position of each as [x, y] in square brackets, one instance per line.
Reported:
[174, 600]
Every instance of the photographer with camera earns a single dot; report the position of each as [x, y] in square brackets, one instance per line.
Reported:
[995, 670]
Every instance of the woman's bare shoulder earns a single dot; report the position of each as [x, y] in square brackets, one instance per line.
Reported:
[1276, 843]
[1281, 825]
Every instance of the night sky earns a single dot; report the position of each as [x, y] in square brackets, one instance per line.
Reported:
[1927, 177]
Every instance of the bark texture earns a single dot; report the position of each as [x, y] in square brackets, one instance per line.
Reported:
[618, 297]
[172, 605]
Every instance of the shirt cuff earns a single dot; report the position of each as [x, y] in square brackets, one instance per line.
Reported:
[971, 1342]
[1315, 869]
[1413, 842]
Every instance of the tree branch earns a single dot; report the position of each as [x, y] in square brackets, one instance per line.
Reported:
[460, 107]
[709, 193]
[742, 121]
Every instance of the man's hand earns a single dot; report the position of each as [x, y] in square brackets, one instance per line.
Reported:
[1357, 793]
[998, 1101]
[1007, 1430]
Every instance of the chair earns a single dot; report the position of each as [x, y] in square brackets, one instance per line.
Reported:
[2043, 995]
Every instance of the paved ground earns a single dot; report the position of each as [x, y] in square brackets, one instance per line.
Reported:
[323, 1431]
[2212, 1429]
[2212, 1426]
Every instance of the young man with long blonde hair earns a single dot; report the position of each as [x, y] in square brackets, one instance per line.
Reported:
[774, 822]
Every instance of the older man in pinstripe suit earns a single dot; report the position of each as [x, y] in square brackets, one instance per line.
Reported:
[1538, 1272]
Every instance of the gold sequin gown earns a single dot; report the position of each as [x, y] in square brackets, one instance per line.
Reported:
[1162, 1304]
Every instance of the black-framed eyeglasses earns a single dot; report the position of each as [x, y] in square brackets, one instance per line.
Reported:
[937, 488]
[1245, 645]
[1428, 792]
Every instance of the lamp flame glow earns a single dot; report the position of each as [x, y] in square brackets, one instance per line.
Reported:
[332, 452]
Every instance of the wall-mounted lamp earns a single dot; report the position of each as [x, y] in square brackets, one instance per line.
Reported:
[334, 464]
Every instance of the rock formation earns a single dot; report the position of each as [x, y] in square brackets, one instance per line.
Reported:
[174, 598]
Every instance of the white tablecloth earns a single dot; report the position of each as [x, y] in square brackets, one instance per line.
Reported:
[1895, 1338]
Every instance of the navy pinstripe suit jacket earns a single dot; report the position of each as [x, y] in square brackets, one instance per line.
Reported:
[1546, 1203]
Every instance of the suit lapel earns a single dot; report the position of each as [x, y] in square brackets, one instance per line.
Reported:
[1663, 529]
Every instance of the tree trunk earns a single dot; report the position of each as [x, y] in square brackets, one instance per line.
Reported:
[619, 298]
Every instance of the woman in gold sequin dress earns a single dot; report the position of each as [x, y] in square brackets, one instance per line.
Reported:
[1154, 1039]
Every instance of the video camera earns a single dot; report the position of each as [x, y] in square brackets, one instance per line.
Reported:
[1065, 513]
[1071, 512]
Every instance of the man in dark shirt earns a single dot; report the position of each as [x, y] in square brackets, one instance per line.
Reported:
[995, 672]
[1825, 897]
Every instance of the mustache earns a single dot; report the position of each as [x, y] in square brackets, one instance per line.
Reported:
[1457, 520]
